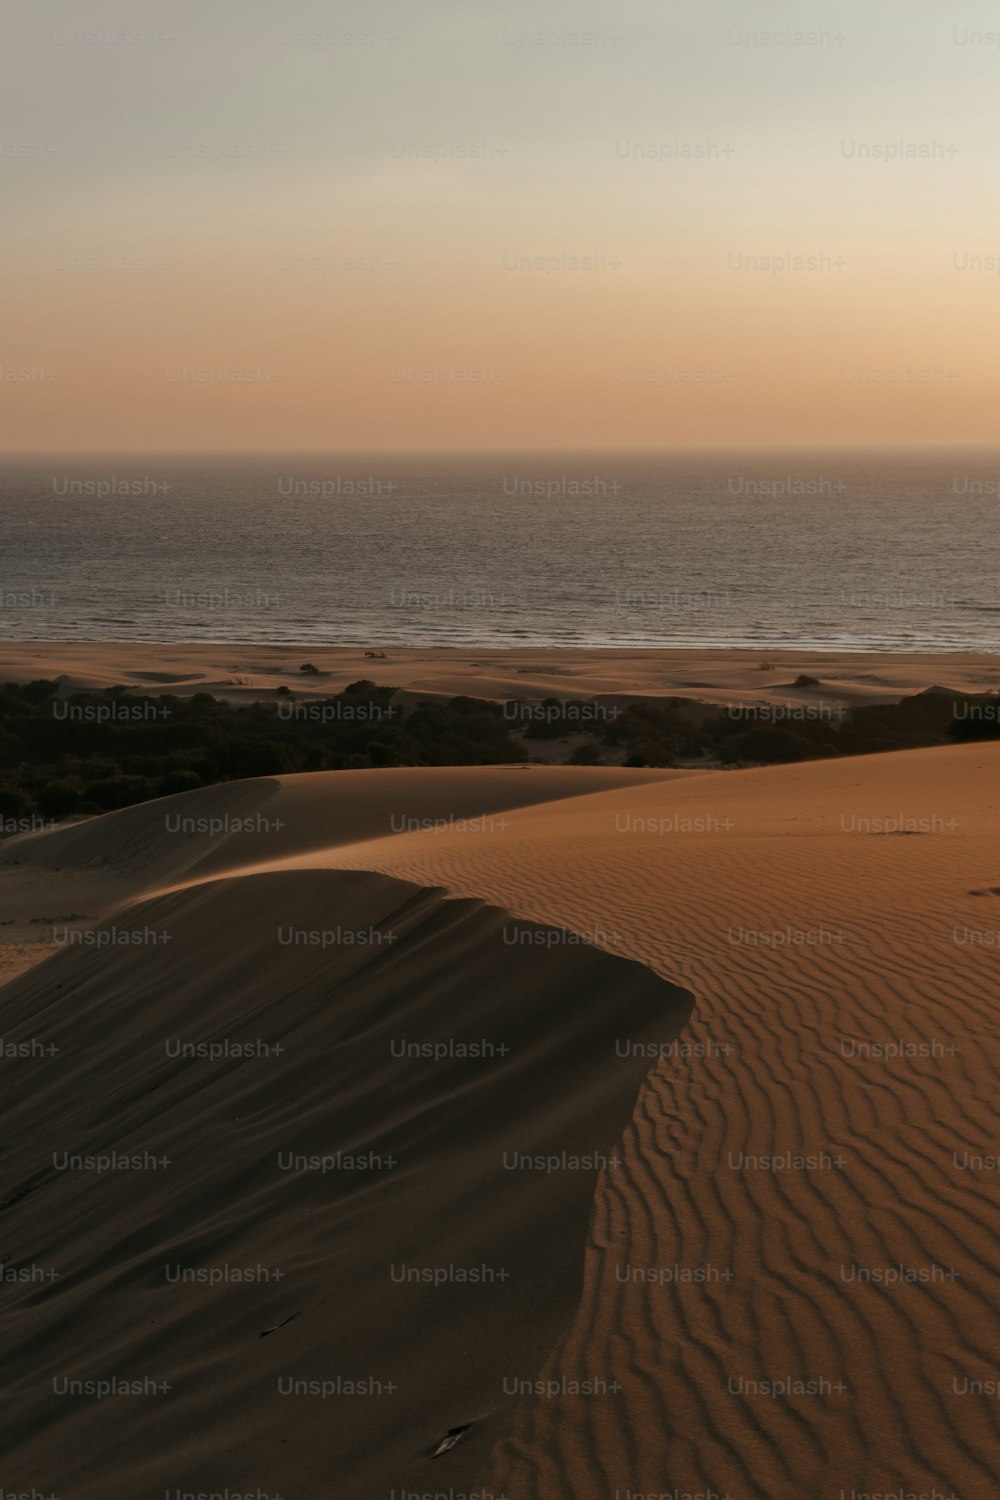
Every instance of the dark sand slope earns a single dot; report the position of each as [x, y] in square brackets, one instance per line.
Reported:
[231, 1199]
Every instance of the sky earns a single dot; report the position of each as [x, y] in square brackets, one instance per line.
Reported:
[461, 225]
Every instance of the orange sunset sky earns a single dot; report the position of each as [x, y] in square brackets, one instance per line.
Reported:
[243, 226]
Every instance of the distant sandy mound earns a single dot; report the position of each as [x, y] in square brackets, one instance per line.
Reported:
[238, 824]
[153, 840]
[234, 1177]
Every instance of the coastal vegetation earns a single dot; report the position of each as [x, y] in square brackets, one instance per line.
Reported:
[93, 752]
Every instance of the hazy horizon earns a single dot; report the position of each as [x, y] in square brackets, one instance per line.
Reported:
[577, 451]
[456, 231]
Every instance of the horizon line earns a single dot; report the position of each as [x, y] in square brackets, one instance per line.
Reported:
[699, 448]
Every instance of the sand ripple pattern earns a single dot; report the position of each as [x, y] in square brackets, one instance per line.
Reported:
[707, 1272]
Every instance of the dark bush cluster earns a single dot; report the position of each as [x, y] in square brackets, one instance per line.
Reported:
[94, 752]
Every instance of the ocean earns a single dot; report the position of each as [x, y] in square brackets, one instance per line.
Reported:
[876, 550]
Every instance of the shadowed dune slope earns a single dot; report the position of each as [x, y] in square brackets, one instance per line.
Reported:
[424, 1178]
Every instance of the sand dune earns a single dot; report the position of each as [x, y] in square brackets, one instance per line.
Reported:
[803, 1194]
[234, 961]
[817, 937]
[240, 824]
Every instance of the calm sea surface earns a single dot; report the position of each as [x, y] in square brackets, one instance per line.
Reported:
[888, 551]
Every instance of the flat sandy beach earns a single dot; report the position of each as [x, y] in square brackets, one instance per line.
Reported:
[730, 1192]
[714, 676]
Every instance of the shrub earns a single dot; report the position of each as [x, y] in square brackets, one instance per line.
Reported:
[120, 791]
[646, 753]
[980, 721]
[586, 755]
[13, 803]
[769, 744]
[56, 799]
[178, 781]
